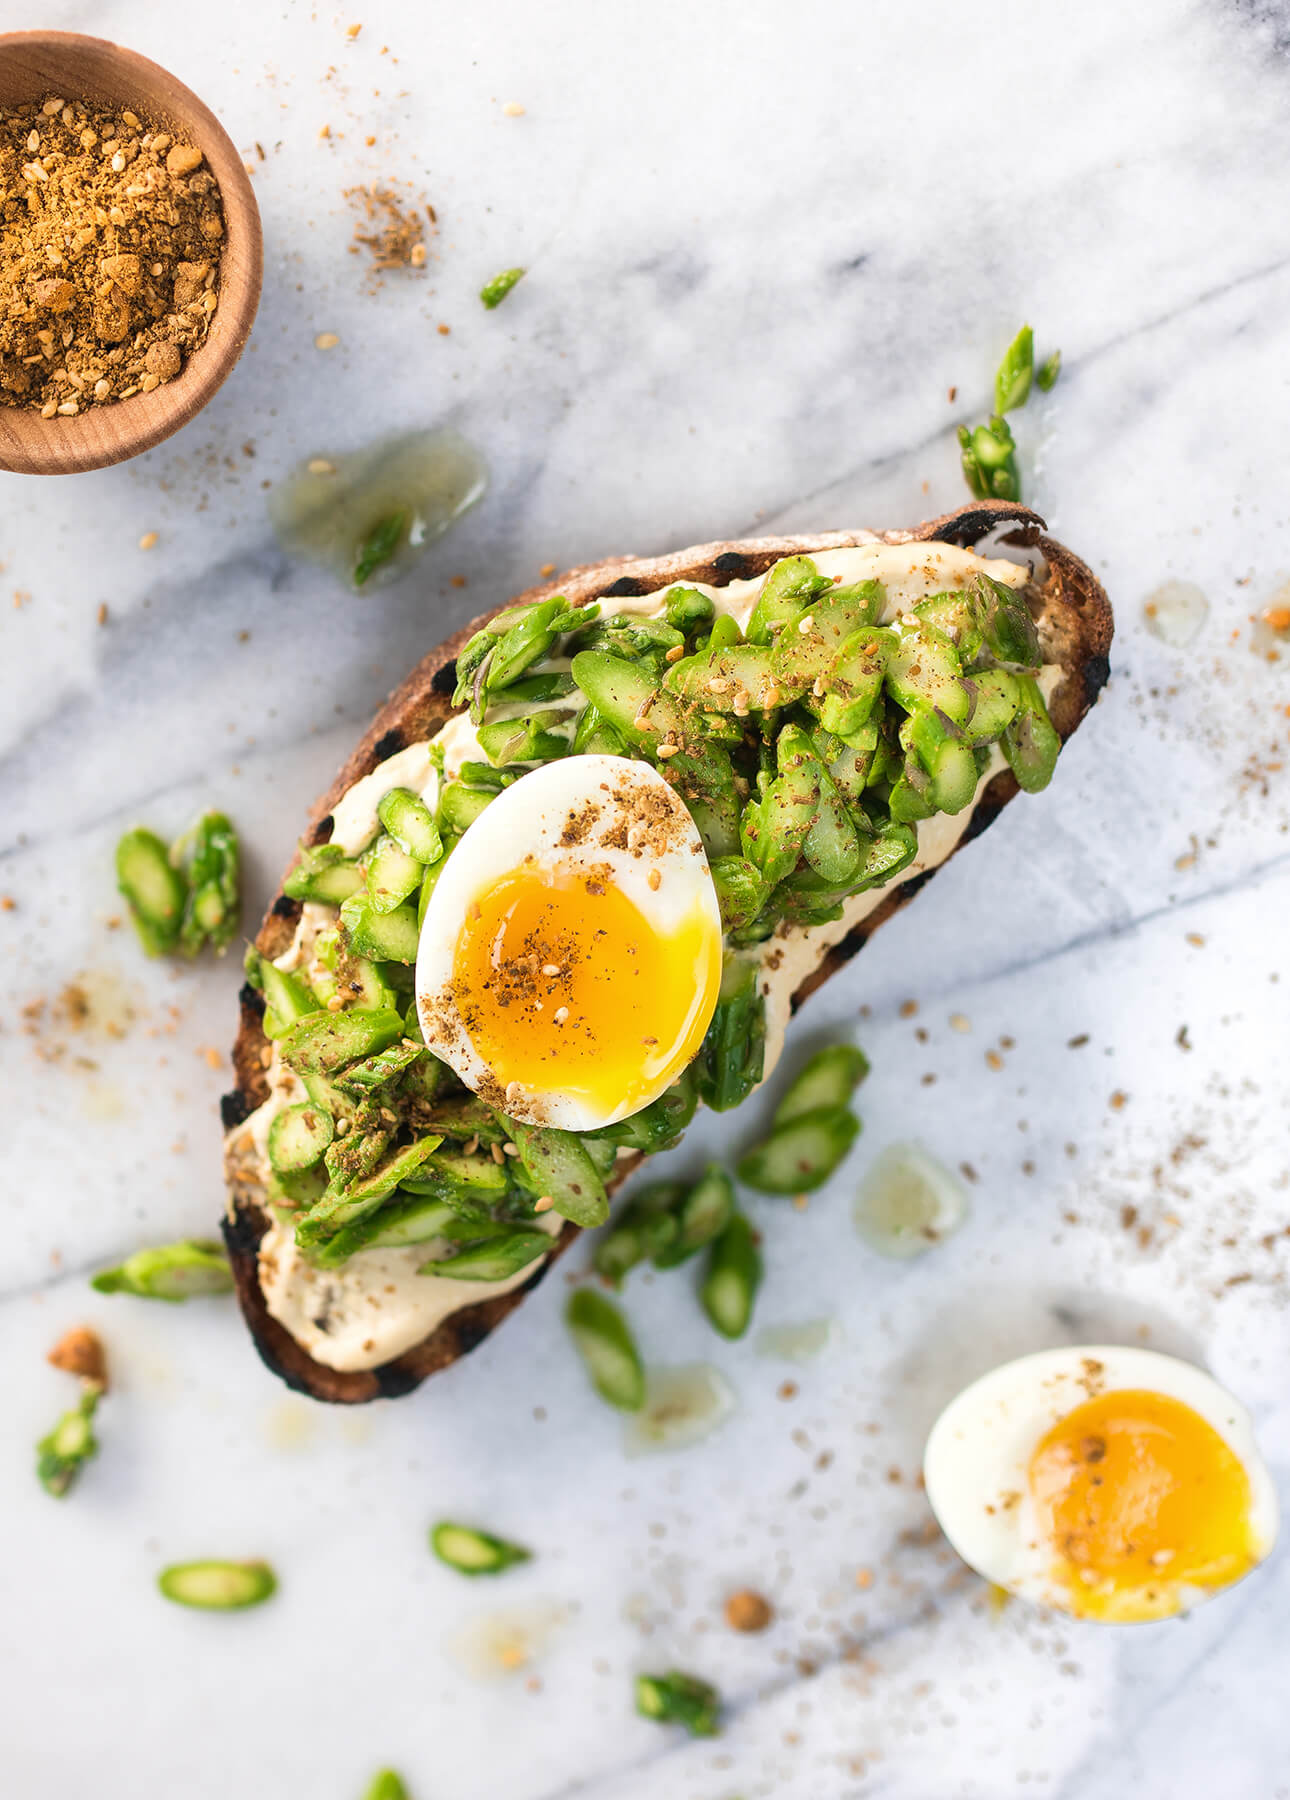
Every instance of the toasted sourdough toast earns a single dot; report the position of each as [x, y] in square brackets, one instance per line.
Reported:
[1075, 627]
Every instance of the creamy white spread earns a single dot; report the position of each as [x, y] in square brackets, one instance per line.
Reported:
[376, 1305]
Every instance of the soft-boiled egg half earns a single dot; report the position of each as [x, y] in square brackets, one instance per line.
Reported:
[1117, 1484]
[570, 954]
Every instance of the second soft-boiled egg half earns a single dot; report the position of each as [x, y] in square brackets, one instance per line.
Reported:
[570, 955]
[1114, 1483]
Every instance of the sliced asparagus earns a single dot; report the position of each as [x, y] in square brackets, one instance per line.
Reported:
[607, 1349]
[211, 1586]
[172, 1272]
[473, 1552]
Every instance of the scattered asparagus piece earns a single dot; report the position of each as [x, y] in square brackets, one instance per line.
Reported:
[607, 1348]
[473, 1552]
[379, 546]
[171, 1272]
[1013, 376]
[828, 1079]
[679, 1699]
[210, 855]
[1048, 371]
[386, 1786]
[800, 1155]
[62, 1455]
[732, 1278]
[154, 891]
[212, 1586]
[495, 291]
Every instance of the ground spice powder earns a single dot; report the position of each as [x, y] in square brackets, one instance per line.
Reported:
[110, 239]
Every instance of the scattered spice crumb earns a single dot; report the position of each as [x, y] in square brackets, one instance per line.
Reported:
[457, 581]
[908, 1008]
[318, 465]
[1195, 938]
[748, 1611]
[352, 31]
[1119, 1100]
[993, 1060]
[444, 330]
[786, 1390]
[547, 569]
[864, 1578]
[390, 226]
[148, 541]
[960, 1022]
[326, 340]
[1077, 1043]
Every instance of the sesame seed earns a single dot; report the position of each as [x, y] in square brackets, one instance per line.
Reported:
[318, 465]
[495, 1151]
[654, 880]
[149, 539]
[550, 968]
[666, 750]
[510, 1149]
[560, 1014]
[544, 1204]
[675, 653]
[513, 110]
[326, 340]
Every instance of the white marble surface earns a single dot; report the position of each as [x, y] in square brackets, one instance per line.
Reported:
[762, 247]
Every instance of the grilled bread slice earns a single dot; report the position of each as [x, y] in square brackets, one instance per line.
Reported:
[1075, 626]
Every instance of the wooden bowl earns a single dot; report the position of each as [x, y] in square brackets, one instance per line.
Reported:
[37, 64]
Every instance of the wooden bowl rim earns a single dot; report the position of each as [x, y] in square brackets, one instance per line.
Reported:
[100, 436]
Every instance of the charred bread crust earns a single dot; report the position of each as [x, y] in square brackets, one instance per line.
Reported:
[1075, 624]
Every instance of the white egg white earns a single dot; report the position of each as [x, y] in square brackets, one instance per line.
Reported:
[976, 1465]
[527, 821]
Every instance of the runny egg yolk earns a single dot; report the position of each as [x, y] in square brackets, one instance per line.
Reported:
[1140, 1499]
[564, 984]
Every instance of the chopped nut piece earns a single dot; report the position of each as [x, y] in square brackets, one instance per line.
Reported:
[125, 271]
[182, 159]
[55, 295]
[163, 360]
[748, 1611]
[80, 1352]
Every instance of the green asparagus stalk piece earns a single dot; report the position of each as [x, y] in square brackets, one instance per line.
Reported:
[828, 1079]
[495, 1259]
[1013, 377]
[679, 1699]
[557, 1164]
[729, 1064]
[1048, 371]
[731, 1279]
[386, 1786]
[212, 1586]
[172, 1272]
[154, 890]
[379, 546]
[702, 1215]
[212, 909]
[1031, 741]
[473, 1552]
[607, 1349]
[800, 1155]
[410, 823]
[64, 1452]
[495, 291]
